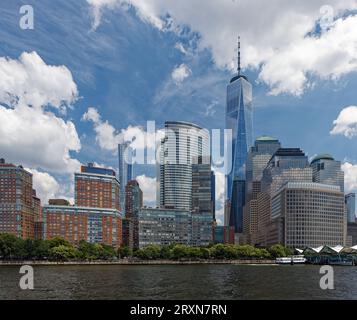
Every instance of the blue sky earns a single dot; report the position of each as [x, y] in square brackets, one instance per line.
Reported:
[124, 69]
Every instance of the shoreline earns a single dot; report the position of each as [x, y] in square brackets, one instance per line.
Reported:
[136, 262]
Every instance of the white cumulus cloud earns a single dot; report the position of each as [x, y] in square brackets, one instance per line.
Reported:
[346, 122]
[46, 186]
[30, 81]
[180, 73]
[148, 186]
[30, 134]
[108, 137]
[38, 139]
[276, 35]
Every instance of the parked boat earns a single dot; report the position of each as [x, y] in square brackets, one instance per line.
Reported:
[298, 259]
[283, 260]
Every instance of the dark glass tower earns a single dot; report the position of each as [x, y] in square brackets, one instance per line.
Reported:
[239, 120]
[125, 170]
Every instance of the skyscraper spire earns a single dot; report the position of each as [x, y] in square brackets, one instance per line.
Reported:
[239, 68]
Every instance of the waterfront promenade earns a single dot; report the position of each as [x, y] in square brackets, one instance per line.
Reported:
[138, 262]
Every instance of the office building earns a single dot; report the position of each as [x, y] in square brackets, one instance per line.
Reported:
[257, 159]
[327, 170]
[128, 233]
[38, 222]
[201, 229]
[183, 142]
[351, 234]
[350, 202]
[133, 203]
[203, 212]
[239, 120]
[307, 214]
[164, 226]
[75, 223]
[223, 234]
[286, 165]
[125, 173]
[213, 194]
[19, 208]
[97, 188]
[202, 201]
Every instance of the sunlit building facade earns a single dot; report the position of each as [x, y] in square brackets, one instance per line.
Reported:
[95, 216]
[73, 223]
[307, 214]
[286, 165]
[19, 207]
[97, 188]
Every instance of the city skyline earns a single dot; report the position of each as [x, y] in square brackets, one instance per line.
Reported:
[157, 73]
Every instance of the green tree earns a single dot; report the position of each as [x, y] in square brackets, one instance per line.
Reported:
[64, 253]
[55, 242]
[205, 253]
[218, 251]
[246, 251]
[194, 252]
[41, 249]
[165, 252]
[150, 252]
[11, 247]
[278, 250]
[262, 253]
[179, 251]
[108, 252]
[124, 252]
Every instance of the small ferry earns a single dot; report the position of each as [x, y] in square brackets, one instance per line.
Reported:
[283, 260]
[298, 259]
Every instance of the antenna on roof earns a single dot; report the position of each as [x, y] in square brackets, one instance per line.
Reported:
[239, 68]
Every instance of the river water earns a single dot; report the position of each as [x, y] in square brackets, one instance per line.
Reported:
[179, 282]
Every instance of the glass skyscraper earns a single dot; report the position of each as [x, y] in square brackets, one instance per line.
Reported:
[286, 165]
[125, 170]
[239, 120]
[327, 170]
[350, 201]
[183, 143]
[257, 159]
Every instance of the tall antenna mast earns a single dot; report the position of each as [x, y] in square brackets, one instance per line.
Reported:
[239, 68]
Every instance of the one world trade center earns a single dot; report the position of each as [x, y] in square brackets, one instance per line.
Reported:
[239, 120]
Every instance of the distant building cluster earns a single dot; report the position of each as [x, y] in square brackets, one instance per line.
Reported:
[273, 195]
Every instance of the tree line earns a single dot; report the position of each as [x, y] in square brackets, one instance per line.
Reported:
[56, 249]
[217, 251]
